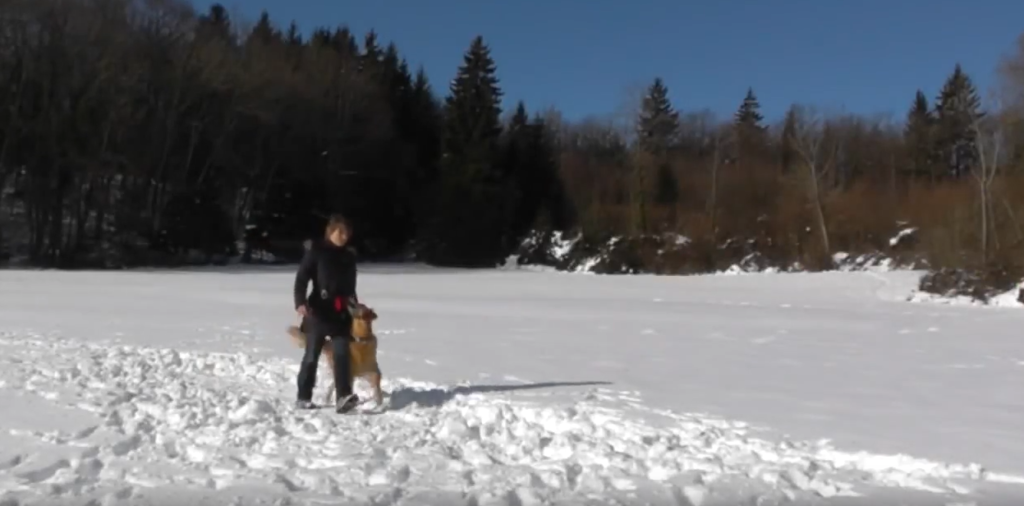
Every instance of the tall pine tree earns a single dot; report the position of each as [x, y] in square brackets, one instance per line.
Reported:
[918, 139]
[957, 108]
[263, 33]
[216, 24]
[750, 133]
[788, 153]
[658, 124]
[657, 130]
[532, 165]
[472, 207]
[426, 118]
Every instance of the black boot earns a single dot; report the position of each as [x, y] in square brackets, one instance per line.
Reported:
[347, 403]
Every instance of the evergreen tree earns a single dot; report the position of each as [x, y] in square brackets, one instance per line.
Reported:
[658, 124]
[517, 138]
[473, 110]
[344, 42]
[522, 165]
[473, 208]
[295, 46]
[216, 24]
[788, 155]
[555, 212]
[371, 57]
[394, 78]
[657, 133]
[532, 164]
[750, 134]
[321, 38]
[264, 33]
[294, 38]
[957, 108]
[918, 138]
[427, 122]
[749, 114]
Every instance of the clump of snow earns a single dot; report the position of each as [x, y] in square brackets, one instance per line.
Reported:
[870, 262]
[753, 263]
[902, 236]
[561, 245]
[681, 240]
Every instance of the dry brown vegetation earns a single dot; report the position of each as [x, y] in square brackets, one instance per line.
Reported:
[818, 185]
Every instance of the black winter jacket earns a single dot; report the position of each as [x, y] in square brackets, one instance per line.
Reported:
[332, 271]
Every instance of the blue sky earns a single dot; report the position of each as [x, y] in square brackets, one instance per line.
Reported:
[582, 56]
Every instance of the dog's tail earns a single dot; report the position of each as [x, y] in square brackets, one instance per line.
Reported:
[298, 337]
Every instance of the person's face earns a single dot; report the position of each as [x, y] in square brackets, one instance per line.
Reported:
[339, 236]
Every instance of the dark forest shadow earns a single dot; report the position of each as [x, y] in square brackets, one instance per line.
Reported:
[437, 397]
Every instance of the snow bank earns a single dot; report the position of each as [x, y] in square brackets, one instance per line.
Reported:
[1009, 298]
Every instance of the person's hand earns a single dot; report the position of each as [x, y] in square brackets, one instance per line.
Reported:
[303, 310]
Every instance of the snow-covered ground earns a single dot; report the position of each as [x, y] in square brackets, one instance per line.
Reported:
[511, 388]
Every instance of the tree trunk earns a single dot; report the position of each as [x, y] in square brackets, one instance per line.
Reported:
[820, 210]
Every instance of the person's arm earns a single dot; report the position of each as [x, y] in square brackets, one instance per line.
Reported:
[303, 276]
[353, 298]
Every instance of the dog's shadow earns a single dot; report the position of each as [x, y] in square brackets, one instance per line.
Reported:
[436, 397]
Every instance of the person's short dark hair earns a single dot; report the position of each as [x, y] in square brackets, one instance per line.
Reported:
[335, 221]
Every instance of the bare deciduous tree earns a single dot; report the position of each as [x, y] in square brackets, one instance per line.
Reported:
[814, 143]
[989, 132]
[717, 143]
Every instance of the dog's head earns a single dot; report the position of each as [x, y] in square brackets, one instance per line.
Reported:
[364, 312]
[362, 322]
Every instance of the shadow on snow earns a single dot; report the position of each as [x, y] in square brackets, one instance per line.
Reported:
[437, 397]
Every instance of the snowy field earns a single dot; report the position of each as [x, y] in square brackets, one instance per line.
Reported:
[511, 388]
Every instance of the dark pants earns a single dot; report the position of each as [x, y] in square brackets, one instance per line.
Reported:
[316, 338]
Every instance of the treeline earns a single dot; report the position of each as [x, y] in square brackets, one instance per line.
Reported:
[142, 132]
[939, 187]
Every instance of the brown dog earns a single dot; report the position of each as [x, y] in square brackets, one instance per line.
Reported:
[362, 350]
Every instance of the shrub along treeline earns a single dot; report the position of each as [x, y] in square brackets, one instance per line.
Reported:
[140, 132]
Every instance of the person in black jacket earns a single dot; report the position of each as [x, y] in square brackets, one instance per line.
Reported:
[327, 311]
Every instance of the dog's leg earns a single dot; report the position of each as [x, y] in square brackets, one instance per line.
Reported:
[378, 395]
